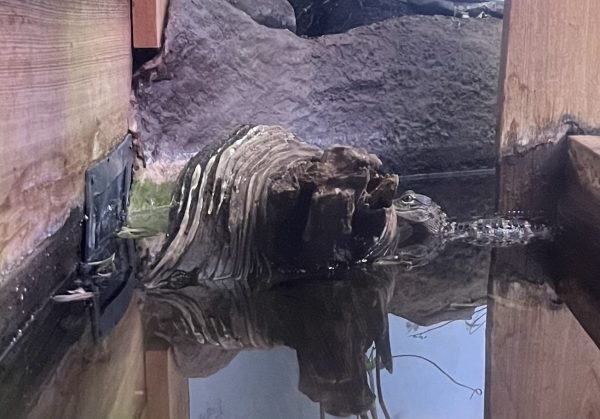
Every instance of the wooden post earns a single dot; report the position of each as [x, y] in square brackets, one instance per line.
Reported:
[541, 363]
[148, 22]
[549, 87]
[65, 81]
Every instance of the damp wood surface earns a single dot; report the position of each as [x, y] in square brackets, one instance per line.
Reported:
[541, 363]
[65, 77]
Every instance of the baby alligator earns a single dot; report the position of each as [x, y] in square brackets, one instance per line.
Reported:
[494, 231]
[417, 209]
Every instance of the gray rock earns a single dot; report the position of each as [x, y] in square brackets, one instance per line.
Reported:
[418, 91]
[277, 14]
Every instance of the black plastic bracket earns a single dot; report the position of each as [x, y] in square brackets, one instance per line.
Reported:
[107, 190]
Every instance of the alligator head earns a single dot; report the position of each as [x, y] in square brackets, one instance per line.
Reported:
[421, 209]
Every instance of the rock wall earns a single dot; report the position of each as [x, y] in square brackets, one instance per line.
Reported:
[418, 91]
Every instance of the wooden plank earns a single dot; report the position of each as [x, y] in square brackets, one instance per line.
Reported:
[541, 363]
[167, 389]
[65, 80]
[148, 22]
[549, 85]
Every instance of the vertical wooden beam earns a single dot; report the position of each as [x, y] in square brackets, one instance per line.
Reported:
[65, 80]
[549, 86]
[148, 22]
[541, 363]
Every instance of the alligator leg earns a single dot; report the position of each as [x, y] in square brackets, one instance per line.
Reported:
[415, 255]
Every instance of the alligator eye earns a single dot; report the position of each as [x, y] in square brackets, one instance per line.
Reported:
[407, 199]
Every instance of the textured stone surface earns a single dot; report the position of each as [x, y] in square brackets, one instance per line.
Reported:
[584, 153]
[272, 13]
[418, 91]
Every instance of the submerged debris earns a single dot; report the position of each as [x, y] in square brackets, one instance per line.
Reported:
[78, 294]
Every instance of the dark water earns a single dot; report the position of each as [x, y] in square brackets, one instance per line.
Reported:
[476, 333]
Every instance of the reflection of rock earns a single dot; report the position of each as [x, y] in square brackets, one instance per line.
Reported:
[330, 323]
[329, 318]
[271, 13]
[418, 91]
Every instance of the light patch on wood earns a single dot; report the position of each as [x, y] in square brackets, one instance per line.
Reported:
[65, 81]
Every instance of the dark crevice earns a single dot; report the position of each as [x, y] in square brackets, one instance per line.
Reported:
[142, 55]
[323, 17]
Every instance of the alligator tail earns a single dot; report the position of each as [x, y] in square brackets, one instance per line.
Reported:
[497, 232]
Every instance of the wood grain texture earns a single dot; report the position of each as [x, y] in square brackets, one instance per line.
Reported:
[148, 22]
[65, 78]
[549, 87]
[166, 388]
[550, 69]
[541, 362]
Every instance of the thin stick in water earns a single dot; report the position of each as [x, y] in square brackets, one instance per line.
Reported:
[379, 392]
[477, 391]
